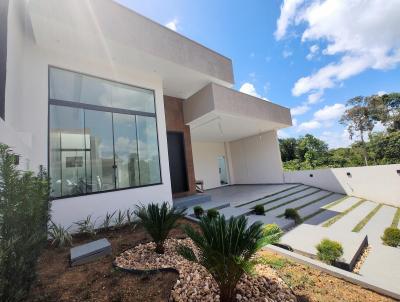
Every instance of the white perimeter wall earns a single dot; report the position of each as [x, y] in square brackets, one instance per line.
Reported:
[205, 160]
[27, 115]
[256, 159]
[375, 183]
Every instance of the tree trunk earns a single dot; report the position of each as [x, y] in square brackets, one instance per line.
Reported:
[227, 294]
[364, 149]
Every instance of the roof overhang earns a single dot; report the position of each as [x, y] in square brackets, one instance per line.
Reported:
[220, 114]
[108, 33]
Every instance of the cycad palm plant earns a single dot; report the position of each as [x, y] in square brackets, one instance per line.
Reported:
[158, 221]
[226, 249]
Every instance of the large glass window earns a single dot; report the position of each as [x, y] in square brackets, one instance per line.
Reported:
[101, 137]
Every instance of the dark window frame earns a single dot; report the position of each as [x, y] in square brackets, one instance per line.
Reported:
[74, 104]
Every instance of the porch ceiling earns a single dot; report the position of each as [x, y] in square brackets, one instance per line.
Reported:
[220, 114]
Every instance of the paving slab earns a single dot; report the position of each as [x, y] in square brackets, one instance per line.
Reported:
[378, 223]
[304, 238]
[312, 208]
[345, 204]
[299, 202]
[291, 197]
[279, 195]
[207, 206]
[383, 265]
[244, 193]
[234, 212]
[90, 251]
[351, 219]
[268, 219]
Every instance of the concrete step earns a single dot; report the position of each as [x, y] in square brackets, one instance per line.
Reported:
[345, 204]
[283, 223]
[234, 212]
[190, 201]
[312, 208]
[351, 219]
[208, 206]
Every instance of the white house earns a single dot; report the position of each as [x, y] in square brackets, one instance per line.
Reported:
[122, 110]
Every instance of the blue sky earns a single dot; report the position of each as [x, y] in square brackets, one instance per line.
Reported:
[341, 49]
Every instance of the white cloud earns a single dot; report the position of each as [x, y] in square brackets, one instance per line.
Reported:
[288, 12]
[173, 24]
[329, 113]
[313, 52]
[314, 98]
[336, 139]
[282, 134]
[249, 88]
[287, 53]
[311, 125]
[299, 110]
[294, 122]
[362, 34]
[381, 92]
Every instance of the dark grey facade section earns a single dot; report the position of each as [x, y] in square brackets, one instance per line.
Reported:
[3, 54]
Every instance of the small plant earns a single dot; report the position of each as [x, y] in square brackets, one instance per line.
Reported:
[259, 209]
[292, 214]
[198, 211]
[59, 236]
[272, 231]
[212, 213]
[329, 251]
[87, 226]
[107, 220]
[119, 220]
[226, 250]
[391, 237]
[158, 221]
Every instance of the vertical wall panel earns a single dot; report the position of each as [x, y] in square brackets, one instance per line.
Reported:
[3, 54]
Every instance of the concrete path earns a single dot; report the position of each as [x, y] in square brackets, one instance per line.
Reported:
[351, 219]
[312, 208]
[277, 196]
[290, 198]
[383, 265]
[297, 203]
[235, 212]
[268, 219]
[345, 204]
[208, 205]
[378, 223]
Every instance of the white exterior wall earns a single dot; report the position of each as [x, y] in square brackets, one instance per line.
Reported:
[375, 183]
[256, 159]
[27, 114]
[205, 160]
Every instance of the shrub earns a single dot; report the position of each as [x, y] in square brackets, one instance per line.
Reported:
[329, 251]
[273, 232]
[107, 220]
[59, 236]
[24, 215]
[293, 214]
[259, 209]
[87, 226]
[226, 250]
[212, 213]
[391, 236]
[120, 219]
[198, 211]
[158, 221]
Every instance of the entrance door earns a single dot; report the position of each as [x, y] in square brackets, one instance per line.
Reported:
[177, 162]
[223, 173]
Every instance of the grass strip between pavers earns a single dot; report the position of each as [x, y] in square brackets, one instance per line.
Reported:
[325, 208]
[309, 203]
[337, 217]
[290, 201]
[273, 194]
[367, 218]
[396, 219]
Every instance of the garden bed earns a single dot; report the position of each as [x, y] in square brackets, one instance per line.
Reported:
[195, 283]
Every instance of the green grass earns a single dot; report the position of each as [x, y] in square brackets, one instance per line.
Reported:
[367, 218]
[325, 208]
[290, 201]
[309, 203]
[337, 217]
[276, 193]
[396, 219]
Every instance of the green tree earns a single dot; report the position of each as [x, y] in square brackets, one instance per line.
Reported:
[288, 148]
[312, 151]
[386, 109]
[358, 118]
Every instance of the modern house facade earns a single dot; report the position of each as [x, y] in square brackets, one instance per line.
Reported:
[122, 110]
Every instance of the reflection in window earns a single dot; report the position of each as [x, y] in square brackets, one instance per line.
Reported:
[95, 149]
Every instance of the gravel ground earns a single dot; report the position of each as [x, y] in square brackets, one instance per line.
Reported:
[196, 284]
